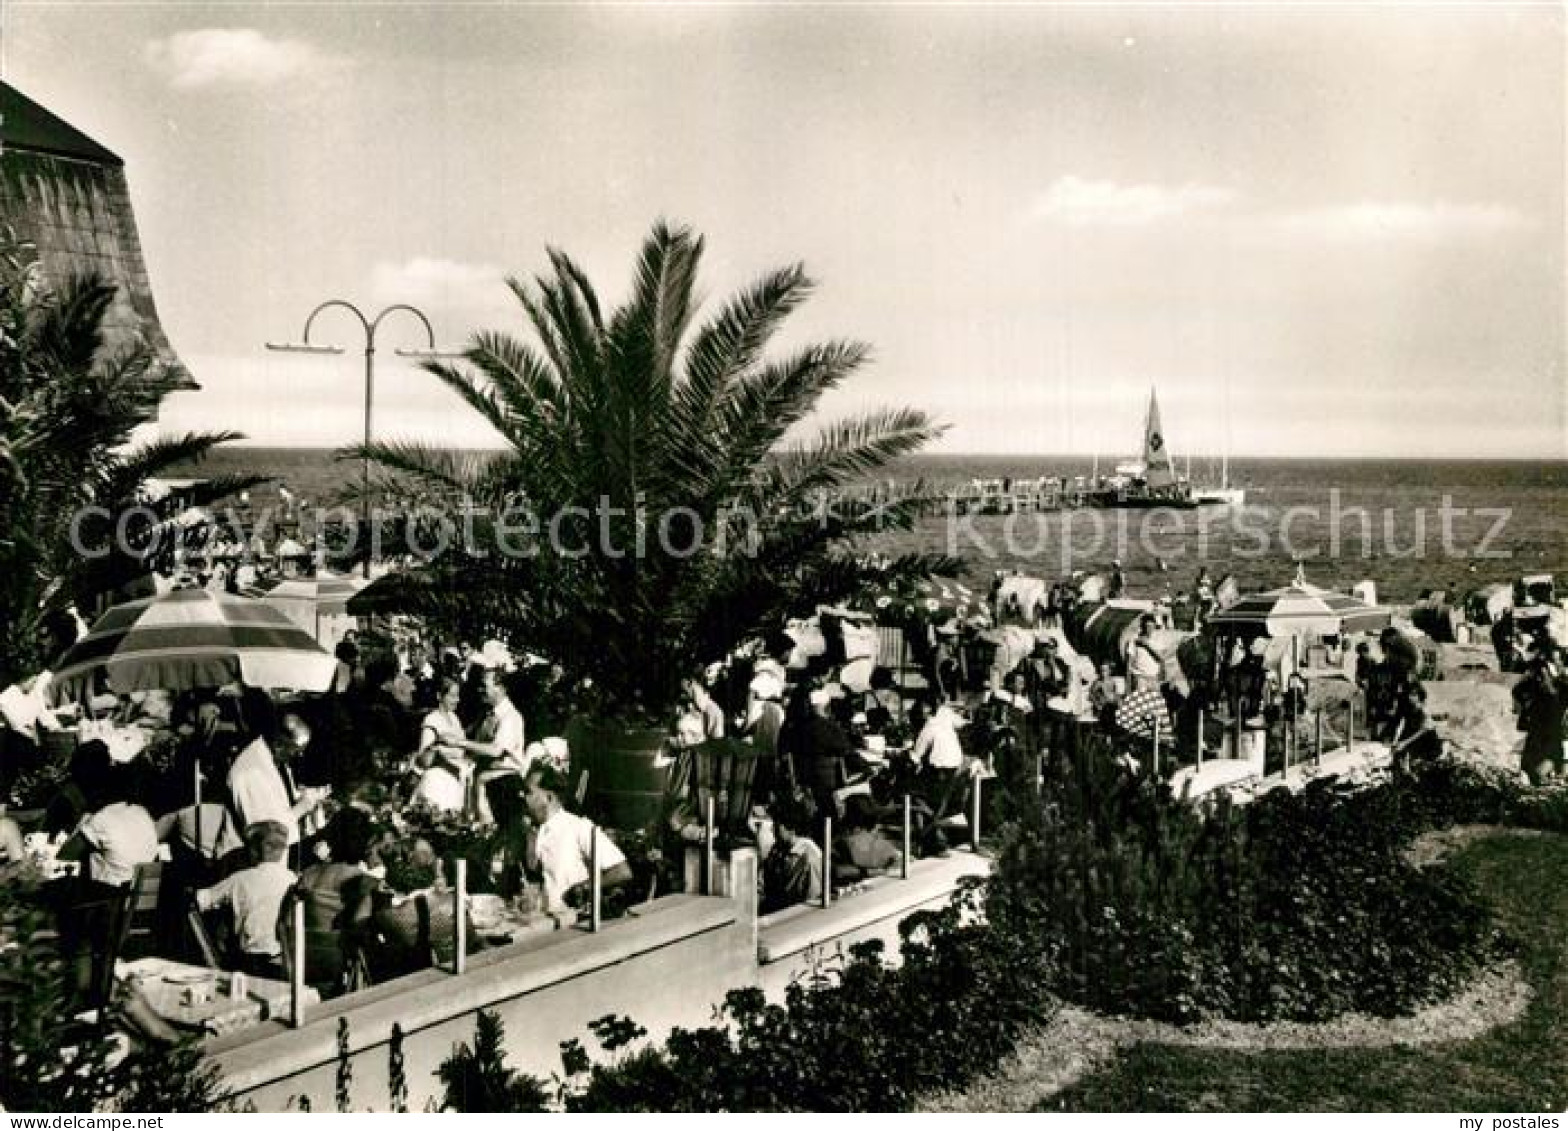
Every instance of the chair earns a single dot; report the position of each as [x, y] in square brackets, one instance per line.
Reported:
[198, 929]
[339, 964]
[140, 929]
[105, 927]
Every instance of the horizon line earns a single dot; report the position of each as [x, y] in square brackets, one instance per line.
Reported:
[1013, 455]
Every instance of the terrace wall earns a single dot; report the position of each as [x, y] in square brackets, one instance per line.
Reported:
[667, 966]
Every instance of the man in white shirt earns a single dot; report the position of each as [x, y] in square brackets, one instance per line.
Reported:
[1145, 665]
[563, 842]
[259, 791]
[255, 897]
[121, 836]
[939, 758]
[938, 745]
[501, 746]
[256, 782]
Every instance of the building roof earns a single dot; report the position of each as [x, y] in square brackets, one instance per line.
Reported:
[26, 125]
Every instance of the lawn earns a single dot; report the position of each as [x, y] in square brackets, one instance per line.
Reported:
[1518, 1067]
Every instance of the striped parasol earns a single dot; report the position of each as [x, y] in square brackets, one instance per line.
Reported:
[1298, 609]
[194, 638]
[936, 600]
[314, 603]
[326, 594]
[1140, 710]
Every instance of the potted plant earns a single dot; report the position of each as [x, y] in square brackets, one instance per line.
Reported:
[652, 508]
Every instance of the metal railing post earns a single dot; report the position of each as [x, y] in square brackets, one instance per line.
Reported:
[903, 871]
[974, 812]
[595, 885]
[707, 847]
[201, 849]
[1200, 736]
[827, 861]
[460, 917]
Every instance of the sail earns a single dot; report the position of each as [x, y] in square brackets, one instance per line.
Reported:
[1159, 471]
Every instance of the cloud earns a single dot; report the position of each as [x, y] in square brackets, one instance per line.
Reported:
[242, 56]
[442, 284]
[1402, 220]
[1083, 203]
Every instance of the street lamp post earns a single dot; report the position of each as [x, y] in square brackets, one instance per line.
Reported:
[370, 326]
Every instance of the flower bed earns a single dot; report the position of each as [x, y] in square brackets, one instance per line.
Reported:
[1298, 907]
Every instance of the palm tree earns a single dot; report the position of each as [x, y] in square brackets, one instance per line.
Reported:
[68, 407]
[633, 435]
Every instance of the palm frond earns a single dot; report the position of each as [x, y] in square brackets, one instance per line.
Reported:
[447, 470]
[762, 407]
[155, 457]
[476, 395]
[723, 349]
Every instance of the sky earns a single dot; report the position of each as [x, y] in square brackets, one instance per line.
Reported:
[1331, 231]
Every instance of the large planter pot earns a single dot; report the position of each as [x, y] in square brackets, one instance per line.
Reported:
[626, 770]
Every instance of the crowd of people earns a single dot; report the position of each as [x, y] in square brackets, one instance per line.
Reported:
[254, 802]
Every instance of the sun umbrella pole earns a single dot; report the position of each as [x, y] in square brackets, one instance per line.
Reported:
[1200, 736]
[297, 980]
[1156, 747]
[196, 801]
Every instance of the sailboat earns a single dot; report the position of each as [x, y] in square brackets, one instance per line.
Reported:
[1149, 481]
[1224, 495]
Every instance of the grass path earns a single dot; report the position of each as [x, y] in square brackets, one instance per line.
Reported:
[1497, 1047]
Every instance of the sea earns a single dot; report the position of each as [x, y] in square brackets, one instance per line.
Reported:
[1408, 526]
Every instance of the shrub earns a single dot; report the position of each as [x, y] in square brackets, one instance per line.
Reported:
[1296, 907]
[54, 1060]
[477, 1079]
[860, 1035]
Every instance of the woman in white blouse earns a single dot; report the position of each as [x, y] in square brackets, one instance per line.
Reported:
[440, 761]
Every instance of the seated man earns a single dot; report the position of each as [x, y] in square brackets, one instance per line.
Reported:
[563, 843]
[254, 896]
[792, 873]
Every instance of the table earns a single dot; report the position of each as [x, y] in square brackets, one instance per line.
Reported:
[507, 924]
[163, 983]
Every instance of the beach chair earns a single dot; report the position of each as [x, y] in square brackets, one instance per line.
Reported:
[892, 652]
